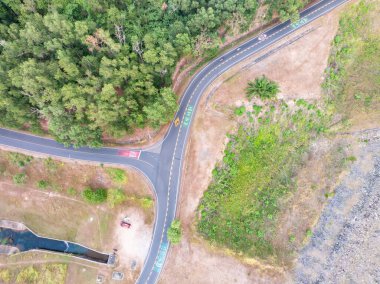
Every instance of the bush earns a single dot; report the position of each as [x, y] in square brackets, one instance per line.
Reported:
[19, 160]
[5, 276]
[42, 184]
[115, 197]
[51, 165]
[27, 275]
[240, 110]
[19, 178]
[94, 196]
[117, 175]
[72, 191]
[175, 232]
[263, 88]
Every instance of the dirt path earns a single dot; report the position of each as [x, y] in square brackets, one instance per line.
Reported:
[345, 243]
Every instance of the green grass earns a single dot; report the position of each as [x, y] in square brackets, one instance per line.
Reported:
[239, 110]
[94, 196]
[19, 178]
[35, 274]
[117, 175]
[115, 197]
[352, 83]
[19, 160]
[239, 208]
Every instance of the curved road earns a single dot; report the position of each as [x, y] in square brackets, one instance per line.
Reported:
[162, 163]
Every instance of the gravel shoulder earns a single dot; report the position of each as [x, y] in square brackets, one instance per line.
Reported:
[345, 247]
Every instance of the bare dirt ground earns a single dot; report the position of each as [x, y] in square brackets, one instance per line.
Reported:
[59, 213]
[303, 61]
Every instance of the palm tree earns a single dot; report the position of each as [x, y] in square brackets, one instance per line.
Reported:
[263, 88]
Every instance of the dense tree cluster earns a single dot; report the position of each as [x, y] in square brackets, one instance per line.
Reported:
[102, 66]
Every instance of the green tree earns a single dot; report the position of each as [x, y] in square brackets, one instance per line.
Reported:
[263, 88]
[175, 232]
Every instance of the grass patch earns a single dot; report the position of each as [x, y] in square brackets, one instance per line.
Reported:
[352, 79]
[115, 197]
[19, 179]
[239, 110]
[19, 160]
[94, 196]
[117, 175]
[43, 184]
[239, 208]
[35, 274]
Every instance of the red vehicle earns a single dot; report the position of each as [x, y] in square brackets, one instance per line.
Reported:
[125, 223]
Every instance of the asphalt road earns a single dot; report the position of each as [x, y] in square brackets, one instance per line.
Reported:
[162, 163]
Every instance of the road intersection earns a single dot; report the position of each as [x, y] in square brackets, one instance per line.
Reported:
[162, 163]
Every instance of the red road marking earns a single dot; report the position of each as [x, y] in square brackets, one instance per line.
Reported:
[129, 154]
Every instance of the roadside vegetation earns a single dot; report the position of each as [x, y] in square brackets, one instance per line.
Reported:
[175, 232]
[90, 68]
[239, 208]
[35, 274]
[258, 173]
[99, 185]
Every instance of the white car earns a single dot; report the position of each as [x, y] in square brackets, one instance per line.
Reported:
[262, 37]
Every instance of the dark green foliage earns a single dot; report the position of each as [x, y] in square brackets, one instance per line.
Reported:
[100, 67]
[286, 9]
[94, 196]
[263, 88]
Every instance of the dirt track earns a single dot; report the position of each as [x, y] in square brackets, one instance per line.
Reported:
[345, 244]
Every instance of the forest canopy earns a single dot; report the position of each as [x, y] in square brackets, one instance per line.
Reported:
[98, 67]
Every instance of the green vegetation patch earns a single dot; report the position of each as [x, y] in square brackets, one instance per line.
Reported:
[117, 175]
[94, 196]
[240, 207]
[352, 77]
[35, 274]
[19, 178]
[19, 160]
[175, 232]
[115, 197]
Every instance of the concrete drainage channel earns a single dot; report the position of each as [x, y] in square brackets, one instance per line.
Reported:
[16, 237]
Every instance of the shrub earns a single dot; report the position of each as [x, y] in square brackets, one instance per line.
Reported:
[19, 160]
[27, 275]
[263, 88]
[5, 276]
[72, 191]
[19, 178]
[239, 110]
[175, 232]
[51, 165]
[146, 202]
[115, 196]
[117, 175]
[42, 184]
[94, 196]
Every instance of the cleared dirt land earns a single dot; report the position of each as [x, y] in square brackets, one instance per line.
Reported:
[46, 195]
